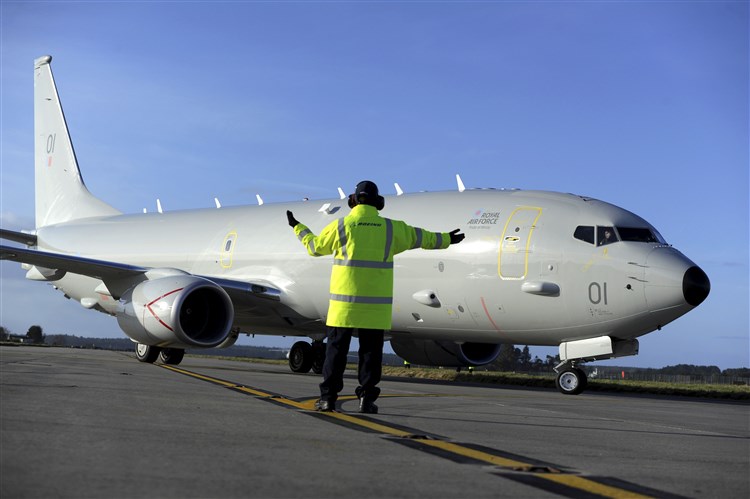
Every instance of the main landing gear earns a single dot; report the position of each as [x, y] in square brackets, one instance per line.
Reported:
[149, 354]
[304, 356]
[571, 380]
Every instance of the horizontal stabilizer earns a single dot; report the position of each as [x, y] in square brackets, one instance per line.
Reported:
[19, 237]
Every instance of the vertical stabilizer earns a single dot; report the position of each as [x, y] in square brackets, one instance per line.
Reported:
[60, 193]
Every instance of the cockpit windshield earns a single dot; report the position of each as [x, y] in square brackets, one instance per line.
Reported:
[602, 235]
[641, 235]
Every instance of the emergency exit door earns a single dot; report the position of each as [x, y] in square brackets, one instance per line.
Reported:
[515, 243]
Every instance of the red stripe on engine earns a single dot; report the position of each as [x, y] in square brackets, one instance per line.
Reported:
[148, 306]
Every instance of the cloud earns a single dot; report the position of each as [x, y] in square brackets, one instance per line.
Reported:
[14, 221]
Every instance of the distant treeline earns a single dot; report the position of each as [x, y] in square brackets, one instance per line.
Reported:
[124, 344]
[679, 370]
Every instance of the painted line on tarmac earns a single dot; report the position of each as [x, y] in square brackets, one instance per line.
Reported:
[522, 469]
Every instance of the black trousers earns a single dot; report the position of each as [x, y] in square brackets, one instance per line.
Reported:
[370, 363]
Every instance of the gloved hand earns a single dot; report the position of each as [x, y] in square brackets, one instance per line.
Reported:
[293, 221]
[456, 237]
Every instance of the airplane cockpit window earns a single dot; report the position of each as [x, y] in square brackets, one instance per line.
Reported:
[605, 235]
[585, 233]
[641, 235]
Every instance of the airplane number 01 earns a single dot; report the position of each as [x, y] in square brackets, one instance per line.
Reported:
[51, 143]
[597, 293]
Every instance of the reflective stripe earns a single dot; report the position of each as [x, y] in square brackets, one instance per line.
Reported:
[439, 242]
[311, 244]
[311, 248]
[418, 242]
[363, 264]
[342, 238]
[370, 300]
[388, 239]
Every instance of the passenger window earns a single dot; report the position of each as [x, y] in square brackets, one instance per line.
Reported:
[605, 235]
[585, 233]
[228, 245]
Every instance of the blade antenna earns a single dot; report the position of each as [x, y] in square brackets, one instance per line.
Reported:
[461, 186]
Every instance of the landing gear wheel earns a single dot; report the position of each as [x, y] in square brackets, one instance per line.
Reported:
[171, 356]
[571, 381]
[319, 356]
[146, 353]
[300, 357]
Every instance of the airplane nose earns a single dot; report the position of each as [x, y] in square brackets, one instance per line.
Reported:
[674, 284]
[695, 286]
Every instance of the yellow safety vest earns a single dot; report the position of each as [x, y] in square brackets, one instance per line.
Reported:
[363, 245]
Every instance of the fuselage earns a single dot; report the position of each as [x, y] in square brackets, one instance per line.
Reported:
[535, 268]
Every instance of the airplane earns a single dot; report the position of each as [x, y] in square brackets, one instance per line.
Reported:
[536, 268]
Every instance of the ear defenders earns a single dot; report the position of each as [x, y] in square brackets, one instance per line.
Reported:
[379, 203]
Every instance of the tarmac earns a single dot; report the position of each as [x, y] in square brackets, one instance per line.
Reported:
[94, 423]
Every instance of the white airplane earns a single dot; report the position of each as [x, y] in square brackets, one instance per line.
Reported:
[536, 268]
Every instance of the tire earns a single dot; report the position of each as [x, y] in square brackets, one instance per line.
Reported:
[146, 353]
[171, 356]
[571, 381]
[301, 357]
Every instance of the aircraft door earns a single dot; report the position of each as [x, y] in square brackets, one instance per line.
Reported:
[227, 250]
[515, 243]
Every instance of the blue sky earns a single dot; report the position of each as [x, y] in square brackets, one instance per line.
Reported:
[641, 104]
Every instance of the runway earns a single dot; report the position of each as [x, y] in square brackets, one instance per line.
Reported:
[92, 423]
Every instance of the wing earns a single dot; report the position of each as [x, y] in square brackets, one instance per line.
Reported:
[119, 277]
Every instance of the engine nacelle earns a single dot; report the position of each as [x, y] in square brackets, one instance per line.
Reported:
[179, 311]
[445, 353]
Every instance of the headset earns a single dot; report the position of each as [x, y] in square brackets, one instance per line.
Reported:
[378, 203]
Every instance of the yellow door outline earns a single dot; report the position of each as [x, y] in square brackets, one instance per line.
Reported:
[509, 242]
[227, 250]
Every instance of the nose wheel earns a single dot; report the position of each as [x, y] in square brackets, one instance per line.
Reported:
[571, 381]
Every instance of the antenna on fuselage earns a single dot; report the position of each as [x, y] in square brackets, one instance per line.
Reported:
[341, 193]
[461, 186]
[158, 206]
[260, 199]
[218, 204]
[399, 191]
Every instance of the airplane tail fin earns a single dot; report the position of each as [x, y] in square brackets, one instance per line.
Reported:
[60, 193]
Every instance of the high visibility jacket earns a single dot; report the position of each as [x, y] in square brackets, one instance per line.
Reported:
[363, 245]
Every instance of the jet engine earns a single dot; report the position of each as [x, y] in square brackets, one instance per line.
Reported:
[178, 311]
[445, 353]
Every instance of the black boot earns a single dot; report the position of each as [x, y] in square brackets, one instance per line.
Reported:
[323, 405]
[367, 407]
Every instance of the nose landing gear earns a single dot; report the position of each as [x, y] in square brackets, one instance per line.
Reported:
[571, 380]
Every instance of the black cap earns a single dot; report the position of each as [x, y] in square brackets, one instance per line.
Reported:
[366, 188]
[367, 192]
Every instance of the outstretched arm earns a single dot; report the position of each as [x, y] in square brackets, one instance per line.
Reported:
[315, 245]
[408, 237]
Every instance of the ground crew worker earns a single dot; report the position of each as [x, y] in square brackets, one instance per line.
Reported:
[361, 290]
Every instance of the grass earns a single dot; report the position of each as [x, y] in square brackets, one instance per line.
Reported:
[732, 392]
